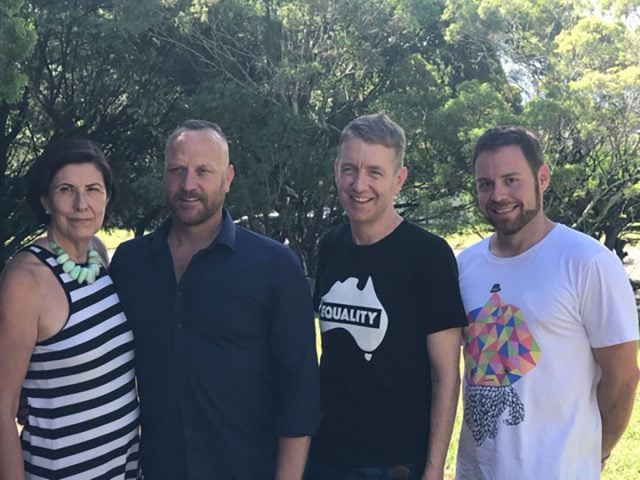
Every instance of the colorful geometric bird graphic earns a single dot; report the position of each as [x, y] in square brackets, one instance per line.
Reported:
[499, 350]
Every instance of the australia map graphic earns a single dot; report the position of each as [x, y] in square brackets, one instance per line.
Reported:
[499, 350]
[358, 312]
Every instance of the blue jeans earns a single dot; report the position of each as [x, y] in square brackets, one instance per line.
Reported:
[318, 469]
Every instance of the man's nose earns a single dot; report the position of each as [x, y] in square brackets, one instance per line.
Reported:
[359, 181]
[499, 192]
[189, 180]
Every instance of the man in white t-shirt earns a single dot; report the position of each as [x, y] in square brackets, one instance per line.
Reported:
[550, 350]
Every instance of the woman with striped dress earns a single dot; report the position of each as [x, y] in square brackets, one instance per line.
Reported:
[64, 339]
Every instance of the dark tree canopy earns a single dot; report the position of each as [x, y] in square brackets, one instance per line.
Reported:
[283, 77]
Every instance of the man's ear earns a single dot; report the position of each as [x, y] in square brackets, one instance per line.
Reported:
[544, 177]
[401, 177]
[229, 175]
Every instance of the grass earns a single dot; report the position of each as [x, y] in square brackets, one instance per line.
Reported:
[624, 463]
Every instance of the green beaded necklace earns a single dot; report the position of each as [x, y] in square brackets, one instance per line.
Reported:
[81, 274]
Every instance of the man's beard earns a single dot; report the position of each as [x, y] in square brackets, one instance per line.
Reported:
[524, 217]
[208, 208]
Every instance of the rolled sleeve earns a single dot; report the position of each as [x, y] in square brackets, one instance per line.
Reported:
[293, 351]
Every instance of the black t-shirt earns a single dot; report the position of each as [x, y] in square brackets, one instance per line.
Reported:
[377, 303]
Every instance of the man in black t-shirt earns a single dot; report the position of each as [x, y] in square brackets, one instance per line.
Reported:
[390, 314]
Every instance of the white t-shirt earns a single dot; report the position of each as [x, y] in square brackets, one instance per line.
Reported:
[530, 375]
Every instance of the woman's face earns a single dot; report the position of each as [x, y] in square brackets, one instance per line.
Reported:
[77, 201]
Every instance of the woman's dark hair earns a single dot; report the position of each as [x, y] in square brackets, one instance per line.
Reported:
[56, 156]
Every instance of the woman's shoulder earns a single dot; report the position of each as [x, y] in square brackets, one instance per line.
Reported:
[23, 284]
[22, 287]
[24, 270]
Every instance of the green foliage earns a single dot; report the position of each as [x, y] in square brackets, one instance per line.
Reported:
[281, 185]
[92, 73]
[16, 41]
[283, 77]
[518, 33]
[576, 62]
[591, 123]
[592, 44]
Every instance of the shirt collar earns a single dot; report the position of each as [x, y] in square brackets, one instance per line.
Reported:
[226, 236]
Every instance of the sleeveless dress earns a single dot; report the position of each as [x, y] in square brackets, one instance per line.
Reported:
[83, 406]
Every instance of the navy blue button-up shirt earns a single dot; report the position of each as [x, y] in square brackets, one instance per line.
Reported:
[225, 358]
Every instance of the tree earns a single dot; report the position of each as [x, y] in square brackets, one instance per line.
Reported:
[284, 77]
[92, 73]
[596, 128]
[16, 42]
[576, 63]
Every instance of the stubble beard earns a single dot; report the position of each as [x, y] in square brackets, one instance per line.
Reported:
[522, 220]
[206, 210]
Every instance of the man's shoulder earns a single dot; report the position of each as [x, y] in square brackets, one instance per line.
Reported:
[473, 254]
[578, 243]
[570, 247]
[422, 238]
[132, 252]
[255, 242]
[135, 244]
[409, 234]
[337, 233]
[416, 231]
[475, 248]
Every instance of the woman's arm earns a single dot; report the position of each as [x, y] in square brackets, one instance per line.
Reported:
[19, 315]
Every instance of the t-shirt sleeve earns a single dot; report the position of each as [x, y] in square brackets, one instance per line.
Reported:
[442, 304]
[607, 304]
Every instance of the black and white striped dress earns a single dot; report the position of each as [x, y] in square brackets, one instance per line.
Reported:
[83, 406]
